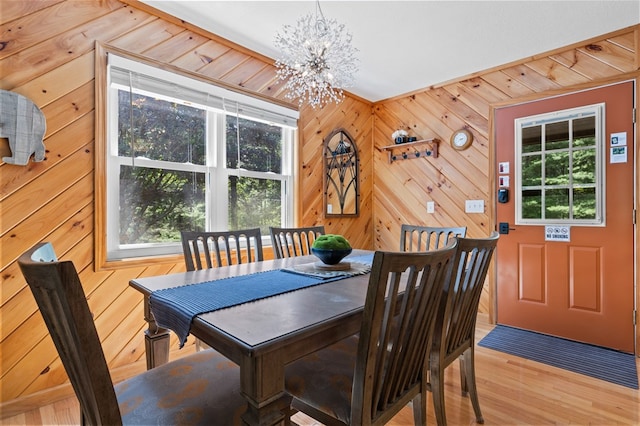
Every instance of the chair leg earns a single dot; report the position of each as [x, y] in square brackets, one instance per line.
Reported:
[467, 359]
[464, 386]
[437, 390]
[420, 407]
[201, 346]
[287, 418]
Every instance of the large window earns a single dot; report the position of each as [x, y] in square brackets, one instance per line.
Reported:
[560, 167]
[186, 155]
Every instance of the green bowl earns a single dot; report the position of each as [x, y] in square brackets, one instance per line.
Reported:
[330, 256]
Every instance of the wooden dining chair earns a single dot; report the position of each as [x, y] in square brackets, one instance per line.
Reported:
[454, 334]
[424, 238]
[205, 250]
[368, 378]
[202, 388]
[221, 248]
[292, 242]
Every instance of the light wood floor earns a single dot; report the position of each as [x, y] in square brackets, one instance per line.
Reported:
[513, 391]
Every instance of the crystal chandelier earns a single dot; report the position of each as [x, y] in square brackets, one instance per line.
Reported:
[318, 59]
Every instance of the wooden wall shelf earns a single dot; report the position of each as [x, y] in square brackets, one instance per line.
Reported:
[409, 150]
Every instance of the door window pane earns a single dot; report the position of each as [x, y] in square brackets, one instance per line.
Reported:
[532, 139]
[584, 203]
[532, 204]
[559, 165]
[556, 202]
[584, 166]
[531, 170]
[556, 168]
[584, 132]
[556, 135]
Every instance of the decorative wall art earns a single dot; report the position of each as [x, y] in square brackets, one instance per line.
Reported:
[24, 124]
[342, 188]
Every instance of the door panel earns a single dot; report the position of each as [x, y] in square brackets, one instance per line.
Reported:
[531, 263]
[581, 289]
[585, 285]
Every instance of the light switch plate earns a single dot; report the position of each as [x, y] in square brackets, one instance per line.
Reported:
[431, 207]
[474, 206]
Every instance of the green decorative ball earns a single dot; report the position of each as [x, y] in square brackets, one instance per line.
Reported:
[331, 242]
[330, 248]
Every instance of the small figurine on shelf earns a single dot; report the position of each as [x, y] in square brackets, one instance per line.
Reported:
[400, 136]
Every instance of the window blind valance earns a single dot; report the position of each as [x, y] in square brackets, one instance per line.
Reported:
[155, 81]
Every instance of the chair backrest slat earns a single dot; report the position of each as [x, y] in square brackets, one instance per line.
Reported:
[399, 315]
[425, 238]
[58, 292]
[221, 248]
[292, 242]
[455, 328]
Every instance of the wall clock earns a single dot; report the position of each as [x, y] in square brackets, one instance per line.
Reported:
[461, 139]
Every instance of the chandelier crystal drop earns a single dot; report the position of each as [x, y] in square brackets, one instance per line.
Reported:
[318, 59]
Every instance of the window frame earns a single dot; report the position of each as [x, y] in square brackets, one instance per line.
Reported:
[598, 110]
[108, 164]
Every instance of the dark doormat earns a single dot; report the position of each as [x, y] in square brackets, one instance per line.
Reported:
[590, 360]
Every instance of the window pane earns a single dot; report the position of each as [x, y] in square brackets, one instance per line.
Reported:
[556, 168]
[156, 204]
[584, 166]
[162, 130]
[181, 149]
[556, 204]
[532, 139]
[531, 170]
[584, 132]
[259, 145]
[557, 135]
[532, 204]
[254, 203]
[584, 203]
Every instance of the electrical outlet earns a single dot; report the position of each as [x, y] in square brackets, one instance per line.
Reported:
[474, 206]
[431, 207]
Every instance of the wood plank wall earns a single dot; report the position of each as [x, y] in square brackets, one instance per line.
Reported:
[402, 188]
[47, 53]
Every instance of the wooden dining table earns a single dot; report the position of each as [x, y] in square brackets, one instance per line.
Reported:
[264, 335]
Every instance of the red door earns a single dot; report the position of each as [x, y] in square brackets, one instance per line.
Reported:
[566, 265]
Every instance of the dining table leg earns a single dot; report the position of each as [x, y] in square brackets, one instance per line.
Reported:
[262, 384]
[156, 339]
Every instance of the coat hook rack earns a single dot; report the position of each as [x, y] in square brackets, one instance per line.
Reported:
[409, 150]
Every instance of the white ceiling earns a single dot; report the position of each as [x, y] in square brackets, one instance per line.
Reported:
[409, 45]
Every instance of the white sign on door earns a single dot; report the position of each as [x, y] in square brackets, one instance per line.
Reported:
[557, 233]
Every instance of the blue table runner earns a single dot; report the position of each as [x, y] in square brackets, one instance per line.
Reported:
[174, 308]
